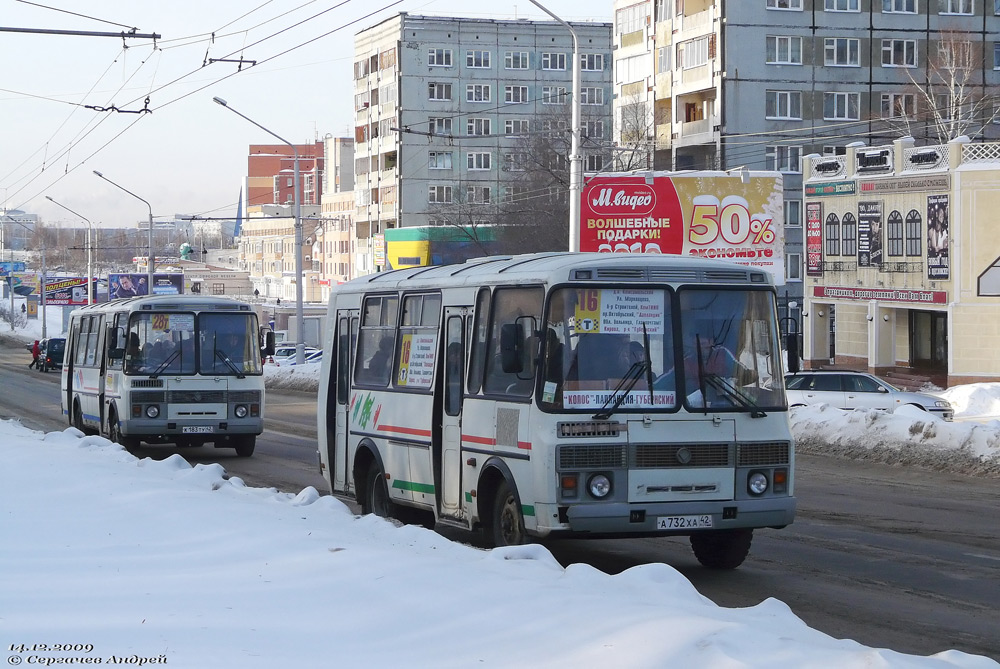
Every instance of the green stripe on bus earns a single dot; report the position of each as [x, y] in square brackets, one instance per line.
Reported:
[468, 497]
[528, 510]
[413, 487]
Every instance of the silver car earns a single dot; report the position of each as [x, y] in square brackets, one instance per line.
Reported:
[858, 390]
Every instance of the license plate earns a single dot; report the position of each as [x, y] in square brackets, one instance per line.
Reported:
[683, 522]
[197, 429]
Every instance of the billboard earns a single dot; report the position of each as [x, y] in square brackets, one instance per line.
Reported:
[131, 285]
[707, 214]
[938, 265]
[67, 291]
[8, 267]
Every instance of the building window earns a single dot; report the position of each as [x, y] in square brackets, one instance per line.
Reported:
[218, 289]
[478, 93]
[631, 19]
[439, 194]
[438, 91]
[895, 105]
[996, 54]
[515, 60]
[595, 162]
[914, 234]
[954, 6]
[515, 95]
[782, 158]
[793, 213]
[591, 95]
[783, 50]
[439, 126]
[663, 58]
[894, 225]
[633, 68]
[899, 6]
[842, 52]
[477, 194]
[439, 160]
[783, 105]
[693, 53]
[553, 95]
[515, 127]
[515, 193]
[477, 59]
[553, 61]
[479, 127]
[439, 57]
[592, 129]
[899, 53]
[793, 271]
[832, 235]
[592, 62]
[841, 106]
[841, 6]
[785, 4]
[479, 160]
[514, 162]
[850, 228]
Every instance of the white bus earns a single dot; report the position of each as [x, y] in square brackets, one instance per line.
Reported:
[180, 369]
[577, 395]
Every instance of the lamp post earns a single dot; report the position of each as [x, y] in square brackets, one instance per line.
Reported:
[299, 321]
[149, 264]
[90, 249]
[575, 159]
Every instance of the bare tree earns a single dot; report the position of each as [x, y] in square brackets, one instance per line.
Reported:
[636, 133]
[12, 317]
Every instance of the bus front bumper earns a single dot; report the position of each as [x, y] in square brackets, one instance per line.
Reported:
[206, 430]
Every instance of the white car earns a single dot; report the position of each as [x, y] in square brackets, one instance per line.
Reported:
[286, 352]
[311, 355]
[845, 389]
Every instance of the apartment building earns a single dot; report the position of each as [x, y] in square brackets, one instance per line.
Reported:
[271, 174]
[443, 106]
[709, 84]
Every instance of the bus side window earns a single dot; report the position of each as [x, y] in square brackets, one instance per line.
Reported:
[343, 361]
[479, 336]
[376, 341]
[521, 307]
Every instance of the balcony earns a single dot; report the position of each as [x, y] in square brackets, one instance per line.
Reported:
[902, 267]
[838, 266]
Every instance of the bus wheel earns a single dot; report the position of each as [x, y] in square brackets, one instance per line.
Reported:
[506, 525]
[725, 549]
[245, 445]
[78, 418]
[115, 433]
[376, 498]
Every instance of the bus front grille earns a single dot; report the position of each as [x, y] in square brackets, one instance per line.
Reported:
[148, 397]
[590, 429]
[244, 396]
[661, 456]
[147, 383]
[196, 396]
[589, 456]
[765, 453]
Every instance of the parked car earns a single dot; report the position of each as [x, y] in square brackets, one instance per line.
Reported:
[285, 352]
[845, 389]
[314, 356]
[50, 355]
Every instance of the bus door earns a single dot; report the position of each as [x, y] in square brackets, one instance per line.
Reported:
[345, 341]
[448, 446]
[69, 367]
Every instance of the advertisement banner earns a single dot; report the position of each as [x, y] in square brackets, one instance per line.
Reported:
[869, 234]
[814, 238]
[938, 265]
[7, 267]
[132, 285]
[25, 283]
[714, 216]
[66, 291]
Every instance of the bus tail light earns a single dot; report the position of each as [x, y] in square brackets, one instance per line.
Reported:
[136, 411]
[568, 483]
[254, 410]
[780, 480]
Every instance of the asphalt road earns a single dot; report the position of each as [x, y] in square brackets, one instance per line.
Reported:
[891, 557]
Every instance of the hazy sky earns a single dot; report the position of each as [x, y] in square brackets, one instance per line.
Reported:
[188, 155]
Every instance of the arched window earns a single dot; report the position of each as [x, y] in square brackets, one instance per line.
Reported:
[895, 231]
[850, 227]
[914, 233]
[832, 235]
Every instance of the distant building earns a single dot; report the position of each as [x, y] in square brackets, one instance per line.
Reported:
[18, 228]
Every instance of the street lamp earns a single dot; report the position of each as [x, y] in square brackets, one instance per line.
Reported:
[90, 249]
[300, 354]
[149, 264]
[575, 158]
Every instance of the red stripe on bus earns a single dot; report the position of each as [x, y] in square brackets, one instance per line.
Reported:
[486, 441]
[405, 430]
[524, 445]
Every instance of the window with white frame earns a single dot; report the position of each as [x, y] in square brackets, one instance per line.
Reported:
[439, 126]
[513, 127]
[477, 194]
[479, 160]
[477, 59]
[633, 68]
[592, 62]
[899, 53]
[782, 158]
[663, 58]
[553, 61]
[515, 60]
[899, 6]
[842, 5]
[515, 95]
[692, 53]
[793, 213]
[783, 50]
[842, 52]
[954, 6]
[591, 95]
[553, 95]
[515, 193]
[841, 106]
[632, 18]
[514, 162]
[438, 194]
[553, 128]
[793, 270]
[592, 129]
[785, 4]
[594, 162]
[996, 54]
[834, 150]
[899, 104]
[478, 93]
[439, 91]
[439, 160]
[479, 127]
[439, 57]
[783, 105]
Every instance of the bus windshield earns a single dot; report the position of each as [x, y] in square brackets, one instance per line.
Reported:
[614, 349]
[181, 343]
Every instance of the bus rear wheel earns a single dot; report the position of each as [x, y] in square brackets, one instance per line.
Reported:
[725, 549]
[245, 445]
[506, 524]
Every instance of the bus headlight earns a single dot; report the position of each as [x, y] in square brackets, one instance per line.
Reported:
[599, 486]
[152, 411]
[240, 411]
[757, 483]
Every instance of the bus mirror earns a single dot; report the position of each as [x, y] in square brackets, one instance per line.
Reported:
[792, 347]
[268, 347]
[511, 354]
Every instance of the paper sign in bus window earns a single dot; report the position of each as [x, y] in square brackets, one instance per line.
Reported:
[620, 311]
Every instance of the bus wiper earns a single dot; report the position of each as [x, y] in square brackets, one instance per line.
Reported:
[225, 358]
[622, 390]
[734, 394]
[163, 365]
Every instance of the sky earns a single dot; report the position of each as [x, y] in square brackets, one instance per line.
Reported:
[187, 155]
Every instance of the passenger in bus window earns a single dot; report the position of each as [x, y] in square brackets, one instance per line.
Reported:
[378, 365]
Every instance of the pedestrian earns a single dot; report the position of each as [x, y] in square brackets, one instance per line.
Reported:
[35, 352]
